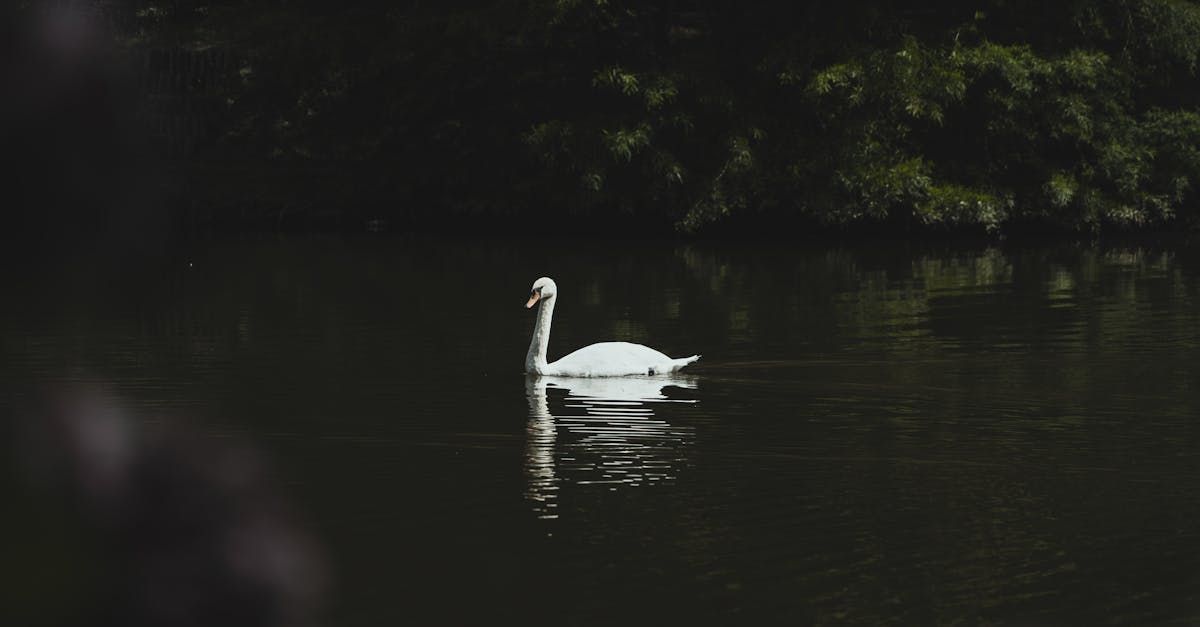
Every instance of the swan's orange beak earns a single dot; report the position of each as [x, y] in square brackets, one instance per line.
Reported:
[533, 298]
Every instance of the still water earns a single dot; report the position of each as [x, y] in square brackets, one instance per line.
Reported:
[876, 434]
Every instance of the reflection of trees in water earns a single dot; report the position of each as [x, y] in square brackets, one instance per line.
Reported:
[895, 288]
[605, 433]
[892, 301]
[235, 292]
[311, 305]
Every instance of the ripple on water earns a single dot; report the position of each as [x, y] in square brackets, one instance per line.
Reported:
[600, 432]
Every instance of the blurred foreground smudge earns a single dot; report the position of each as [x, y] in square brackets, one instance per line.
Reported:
[185, 528]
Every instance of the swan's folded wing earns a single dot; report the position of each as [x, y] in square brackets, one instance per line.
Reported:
[612, 359]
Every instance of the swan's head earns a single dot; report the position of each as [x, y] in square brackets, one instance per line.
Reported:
[543, 288]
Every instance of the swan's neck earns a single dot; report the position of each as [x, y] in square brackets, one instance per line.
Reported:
[535, 359]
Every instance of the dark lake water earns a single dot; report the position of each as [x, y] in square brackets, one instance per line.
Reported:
[876, 434]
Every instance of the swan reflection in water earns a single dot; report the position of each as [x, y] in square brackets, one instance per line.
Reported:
[605, 432]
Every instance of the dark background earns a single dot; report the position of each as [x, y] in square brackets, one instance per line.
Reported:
[879, 433]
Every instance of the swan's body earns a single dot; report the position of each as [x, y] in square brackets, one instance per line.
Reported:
[612, 359]
[606, 359]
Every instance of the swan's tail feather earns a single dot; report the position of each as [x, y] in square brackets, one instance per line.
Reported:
[677, 364]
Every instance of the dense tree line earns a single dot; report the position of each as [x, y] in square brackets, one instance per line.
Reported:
[686, 114]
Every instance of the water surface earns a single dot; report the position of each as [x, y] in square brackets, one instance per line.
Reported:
[876, 434]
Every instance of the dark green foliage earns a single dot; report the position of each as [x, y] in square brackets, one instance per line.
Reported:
[1077, 115]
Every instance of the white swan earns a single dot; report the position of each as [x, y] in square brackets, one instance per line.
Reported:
[606, 359]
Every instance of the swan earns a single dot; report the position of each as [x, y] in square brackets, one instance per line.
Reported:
[606, 359]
